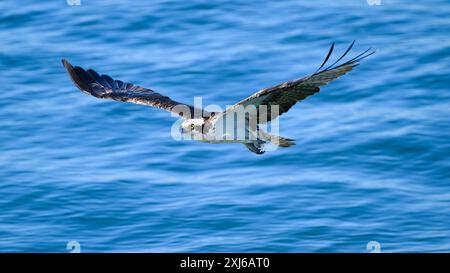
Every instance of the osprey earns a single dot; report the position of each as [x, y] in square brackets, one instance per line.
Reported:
[240, 123]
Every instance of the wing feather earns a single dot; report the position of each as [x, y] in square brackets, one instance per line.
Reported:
[289, 93]
[105, 87]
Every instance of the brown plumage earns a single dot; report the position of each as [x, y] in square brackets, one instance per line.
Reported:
[287, 94]
[104, 87]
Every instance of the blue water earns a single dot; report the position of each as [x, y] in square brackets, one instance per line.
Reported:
[372, 156]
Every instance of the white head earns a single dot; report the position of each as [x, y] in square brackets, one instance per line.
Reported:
[192, 126]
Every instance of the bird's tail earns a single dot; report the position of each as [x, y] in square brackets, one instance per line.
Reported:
[282, 141]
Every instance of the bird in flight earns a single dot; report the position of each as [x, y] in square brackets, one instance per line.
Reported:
[240, 123]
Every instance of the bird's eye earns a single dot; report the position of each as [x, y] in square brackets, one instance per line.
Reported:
[192, 126]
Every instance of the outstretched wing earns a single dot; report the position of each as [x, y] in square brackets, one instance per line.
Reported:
[287, 94]
[104, 87]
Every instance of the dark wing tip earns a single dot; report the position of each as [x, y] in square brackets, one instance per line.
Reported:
[328, 56]
[353, 62]
[65, 62]
[79, 77]
[342, 56]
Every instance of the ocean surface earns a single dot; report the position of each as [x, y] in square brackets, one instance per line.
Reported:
[372, 160]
